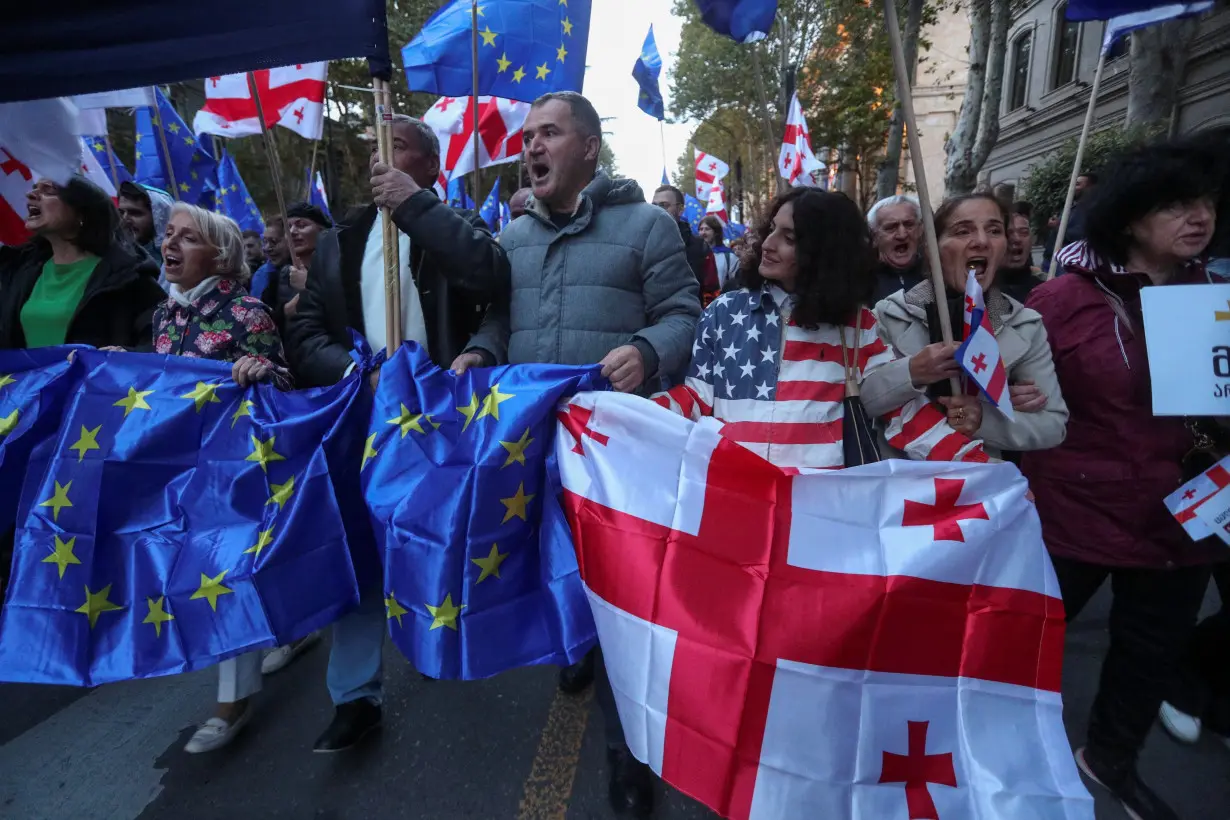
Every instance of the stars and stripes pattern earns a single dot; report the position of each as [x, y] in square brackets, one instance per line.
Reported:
[780, 388]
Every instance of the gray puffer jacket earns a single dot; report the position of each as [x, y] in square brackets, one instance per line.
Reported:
[616, 274]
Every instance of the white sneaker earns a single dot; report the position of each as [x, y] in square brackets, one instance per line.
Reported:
[279, 657]
[1182, 727]
[216, 733]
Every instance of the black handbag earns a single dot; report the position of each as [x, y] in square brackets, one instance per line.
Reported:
[1210, 444]
[858, 437]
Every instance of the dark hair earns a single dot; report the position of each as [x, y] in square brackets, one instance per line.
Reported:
[678, 193]
[1216, 141]
[1025, 209]
[1089, 175]
[944, 214]
[100, 221]
[251, 233]
[275, 221]
[131, 190]
[583, 112]
[305, 210]
[834, 253]
[1144, 179]
[716, 224]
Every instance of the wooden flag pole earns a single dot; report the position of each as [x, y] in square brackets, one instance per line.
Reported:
[662, 138]
[275, 172]
[1076, 167]
[311, 172]
[905, 96]
[166, 150]
[115, 174]
[391, 240]
[478, 174]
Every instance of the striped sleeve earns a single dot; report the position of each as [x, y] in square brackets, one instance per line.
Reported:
[922, 432]
[694, 398]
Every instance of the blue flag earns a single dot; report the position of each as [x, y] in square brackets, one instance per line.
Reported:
[456, 477]
[665, 178]
[693, 211]
[1078, 10]
[734, 230]
[233, 198]
[646, 71]
[170, 518]
[505, 215]
[744, 21]
[99, 149]
[490, 212]
[317, 197]
[457, 195]
[191, 166]
[525, 49]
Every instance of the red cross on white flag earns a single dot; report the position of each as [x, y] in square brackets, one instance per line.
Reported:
[292, 96]
[499, 128]
[803, 645]
[709, 169]
[796, 158]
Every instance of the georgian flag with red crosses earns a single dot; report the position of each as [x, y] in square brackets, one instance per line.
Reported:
[979, 353]
[880, 642]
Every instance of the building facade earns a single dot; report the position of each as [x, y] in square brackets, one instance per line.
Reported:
[939, 89]
[1049, 73]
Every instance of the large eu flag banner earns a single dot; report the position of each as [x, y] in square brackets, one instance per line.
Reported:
[456, 478]
[167, 518]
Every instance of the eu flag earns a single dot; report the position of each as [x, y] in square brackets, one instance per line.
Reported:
[233, 198]
[490, 212]
[190, 165]
[457, 196]
[744, 21]
[646, 72]
[525, 49]
[1078, 10]
[317, 196]
[99, 149]
[173, 519]
[693, 211]
[455, 476]
[505, 215]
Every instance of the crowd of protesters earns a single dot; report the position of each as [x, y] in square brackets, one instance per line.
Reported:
[589, 271]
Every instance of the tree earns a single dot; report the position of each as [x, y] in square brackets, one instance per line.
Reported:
[606, 160]
[1158, 59]
[889, 174]
[977, 126]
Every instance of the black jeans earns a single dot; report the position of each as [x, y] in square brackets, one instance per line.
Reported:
[606, 702]
[1151, 621]
[1203, 687]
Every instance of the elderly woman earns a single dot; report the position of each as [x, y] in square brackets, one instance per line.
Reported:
[973, 237]
[79, 280]
[1100, 494]
[896, 227]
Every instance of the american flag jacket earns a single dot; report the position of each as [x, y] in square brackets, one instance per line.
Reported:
[779, 388]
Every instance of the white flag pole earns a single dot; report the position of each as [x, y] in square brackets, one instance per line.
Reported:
[1076, 166]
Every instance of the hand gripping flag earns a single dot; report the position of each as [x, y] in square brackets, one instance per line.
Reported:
[292, 96]
[167, 518]
[526, 48]
[645, 71]
[709, 169]
[1184, 501]
[796, 159]
[188, 163]
[455, 475]
[744, 21]
[490, 212]
[979, 353]
[233, 198]
[499, 132]
[879, 642]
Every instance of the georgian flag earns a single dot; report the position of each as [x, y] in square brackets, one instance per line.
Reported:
[979, 353]
[709, 169]
[38, 139]
[717, 203]
[499, 130]
[796, 159]
[879, 642]
[1184, 501]
[292, 96]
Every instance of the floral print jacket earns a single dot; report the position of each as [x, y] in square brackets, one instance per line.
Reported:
[224, 324]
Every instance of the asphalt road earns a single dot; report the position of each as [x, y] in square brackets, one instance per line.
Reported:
[510, 748]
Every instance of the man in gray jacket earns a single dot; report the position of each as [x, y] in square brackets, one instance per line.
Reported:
[597, 275]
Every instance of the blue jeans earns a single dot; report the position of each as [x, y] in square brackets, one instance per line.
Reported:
[356, 657]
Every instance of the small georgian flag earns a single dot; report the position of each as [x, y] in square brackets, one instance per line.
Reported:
[979, 353]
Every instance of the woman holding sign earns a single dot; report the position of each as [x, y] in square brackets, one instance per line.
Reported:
[1100, 494]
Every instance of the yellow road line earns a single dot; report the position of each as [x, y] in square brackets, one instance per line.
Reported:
[549, 786]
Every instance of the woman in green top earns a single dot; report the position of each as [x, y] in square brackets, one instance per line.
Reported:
[79, 280]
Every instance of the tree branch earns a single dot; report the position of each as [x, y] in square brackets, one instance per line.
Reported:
[960, 173]
[988, 126]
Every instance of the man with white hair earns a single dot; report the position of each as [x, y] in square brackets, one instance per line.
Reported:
[896, 227]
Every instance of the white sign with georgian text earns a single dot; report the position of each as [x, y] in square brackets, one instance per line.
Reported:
[1187, 329]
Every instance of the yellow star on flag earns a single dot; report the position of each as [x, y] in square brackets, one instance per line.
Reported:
[203, 394]
[369, 452]
[543, 71]
[516, 505]
[469, 410]
[393, 609]
[96, 603]
[563, 2]
[408, 421]
[98, 146]
[6, 379]
[561, 53]
[281, 493]
[183, 186]
[567, 26]
[445, 614]
[134, 401]
[263, 453]
[157, 615]
[516, 449]
[190, 141]
[138, 156]
[86, 442]
[9, 423]
[211, 589]
[194, 175]
[173, 128]
[491, 404]
[488, 36]
[244, 409]
[58, 501]
[491, 564]
[479, 10]
[263, 539]
[519, 74]
[503, 62]
[62, 555]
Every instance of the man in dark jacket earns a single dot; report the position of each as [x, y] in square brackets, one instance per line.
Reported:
[896, 228]
[670, 199]
[450, 265]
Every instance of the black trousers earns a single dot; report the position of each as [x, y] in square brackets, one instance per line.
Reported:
[1152, 618]
[1203, 686]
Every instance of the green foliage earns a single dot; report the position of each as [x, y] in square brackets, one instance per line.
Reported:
[606, 160]
[1046, 184]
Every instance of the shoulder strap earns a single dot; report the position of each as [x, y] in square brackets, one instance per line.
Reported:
[850, 363]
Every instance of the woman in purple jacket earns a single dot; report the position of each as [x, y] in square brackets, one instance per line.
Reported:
[1099, 494]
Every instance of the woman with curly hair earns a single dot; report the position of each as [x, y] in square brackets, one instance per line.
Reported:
[784, 359]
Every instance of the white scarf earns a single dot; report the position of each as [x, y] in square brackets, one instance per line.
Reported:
[187, 297]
